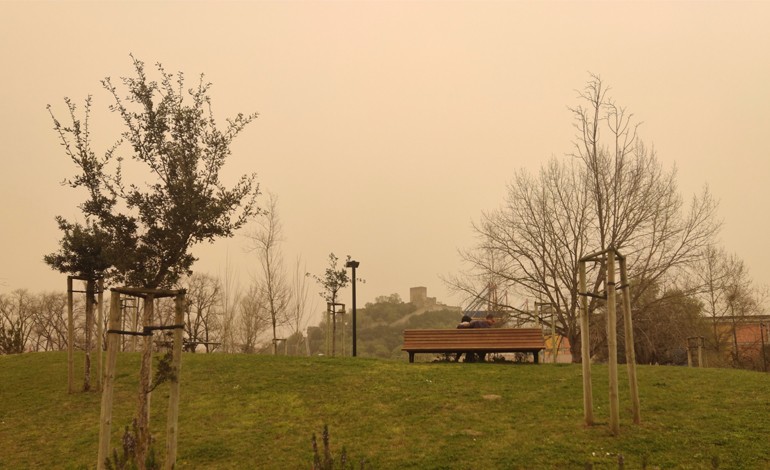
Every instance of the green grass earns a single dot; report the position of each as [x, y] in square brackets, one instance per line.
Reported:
[246, 411]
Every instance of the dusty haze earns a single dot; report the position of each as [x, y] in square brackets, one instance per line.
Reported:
[385, 128]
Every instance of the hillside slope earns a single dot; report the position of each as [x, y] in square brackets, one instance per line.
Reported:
[249, 411]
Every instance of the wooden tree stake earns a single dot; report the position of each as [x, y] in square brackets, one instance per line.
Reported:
[630, 352]
[585, 350]
[100, 336]
[145, 378]
[612, 345]
[172, 421]
[105, 418]
[70, 338]
[90, 293]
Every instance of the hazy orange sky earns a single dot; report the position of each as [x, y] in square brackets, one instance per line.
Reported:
[385, 128]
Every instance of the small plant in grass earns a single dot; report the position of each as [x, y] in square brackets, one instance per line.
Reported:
[326, 461]
[127, 460]
[124, 461]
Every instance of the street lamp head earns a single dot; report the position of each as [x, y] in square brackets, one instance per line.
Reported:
[352, 264]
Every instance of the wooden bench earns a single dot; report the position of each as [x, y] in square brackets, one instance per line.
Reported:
[476, 340]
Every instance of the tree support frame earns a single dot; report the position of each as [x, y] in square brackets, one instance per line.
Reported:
[608, 257]
[113, 334]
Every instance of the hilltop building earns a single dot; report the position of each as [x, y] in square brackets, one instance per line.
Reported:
[418, 296]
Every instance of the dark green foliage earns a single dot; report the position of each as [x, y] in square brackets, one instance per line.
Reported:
[139, 233]
[333, 280]
[381, 326]
[11, 340]
[164, 372]
[85, 250]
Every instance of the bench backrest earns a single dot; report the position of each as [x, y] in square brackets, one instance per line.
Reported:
[474, 339]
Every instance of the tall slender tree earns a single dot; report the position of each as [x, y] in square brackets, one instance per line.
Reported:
[266, 243]
[300, 304]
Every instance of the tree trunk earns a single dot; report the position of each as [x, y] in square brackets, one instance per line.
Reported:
[145, 378]
[574, 347]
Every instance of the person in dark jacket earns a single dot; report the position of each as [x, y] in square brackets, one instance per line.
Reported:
[487, 322]
[465, 322]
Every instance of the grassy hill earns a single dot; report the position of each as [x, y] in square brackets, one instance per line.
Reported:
[248, 411]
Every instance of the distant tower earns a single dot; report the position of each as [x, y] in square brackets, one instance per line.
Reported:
[418, 295]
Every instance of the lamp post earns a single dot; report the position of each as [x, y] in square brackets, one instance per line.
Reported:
[353, 265]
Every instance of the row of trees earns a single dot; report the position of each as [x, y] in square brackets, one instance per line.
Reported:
[222, 321]
[218, 316]
[609, 191]
[221, 316]
[35, 322]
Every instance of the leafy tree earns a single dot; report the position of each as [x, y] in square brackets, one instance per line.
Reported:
[333, 280]
[139, 232]
[142, 231]
[392, 299]
[11, 340]
[610, 192]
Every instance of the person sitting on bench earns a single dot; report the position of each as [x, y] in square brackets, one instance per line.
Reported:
[485, 323]
[465, 322]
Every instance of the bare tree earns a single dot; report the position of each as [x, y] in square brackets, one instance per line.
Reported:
[266, 242]
[662, 323]
[229, 303]
[300, 303]
[202, 310]
[51, 321]
[727, 293]
[613, 192]
[16, 321]
[253, 319]
[715, 277]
